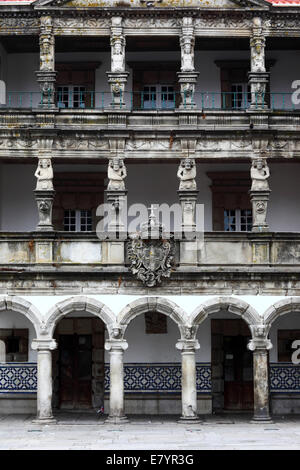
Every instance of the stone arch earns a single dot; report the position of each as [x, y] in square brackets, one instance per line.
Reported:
[282, 307]
[77, 304]
[151, 304]
[231, 304]
[20, 305]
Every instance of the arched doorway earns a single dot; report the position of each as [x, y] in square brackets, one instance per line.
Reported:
[152, 364]
[78, 363]
[224, 334]
[78, 325]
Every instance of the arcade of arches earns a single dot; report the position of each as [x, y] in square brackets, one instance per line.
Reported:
[150, 357]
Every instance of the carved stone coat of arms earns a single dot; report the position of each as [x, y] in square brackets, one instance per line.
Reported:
[151, 259]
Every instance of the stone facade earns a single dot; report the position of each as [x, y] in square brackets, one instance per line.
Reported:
[95, 277]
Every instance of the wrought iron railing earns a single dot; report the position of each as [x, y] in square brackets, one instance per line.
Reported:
[233, 101]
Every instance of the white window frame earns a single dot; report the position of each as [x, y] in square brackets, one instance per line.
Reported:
[238, 220]
[71, 91]
[158, 103]
[245, 91]
[78, 214]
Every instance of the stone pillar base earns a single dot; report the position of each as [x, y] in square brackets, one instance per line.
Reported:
[117, 420]
[44, 421]
[118, 201]
[261, 421]
[259, 200]
[46, 80]
[258, 82]
[187, 81]
[117, 81]
[44, 199]
[189, 420]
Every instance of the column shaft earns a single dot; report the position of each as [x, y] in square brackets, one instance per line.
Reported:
[261, 386]
[188, 380]
[116, 396]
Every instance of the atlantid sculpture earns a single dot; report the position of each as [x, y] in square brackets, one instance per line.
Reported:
[44, 175]
[187, 174]
[116, 174]
[259, 174]
[118, 54]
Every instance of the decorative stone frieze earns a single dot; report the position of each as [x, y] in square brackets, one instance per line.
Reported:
[46, 75]
[259, 194]
[258, 77]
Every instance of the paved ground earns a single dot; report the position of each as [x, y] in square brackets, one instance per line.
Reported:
[87, 432]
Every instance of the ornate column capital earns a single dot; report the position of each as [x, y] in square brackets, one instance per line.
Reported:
[188, 345]
[43, 344]
[259, 341]
[116, 345]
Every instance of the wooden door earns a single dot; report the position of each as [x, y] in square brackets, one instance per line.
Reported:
[75, 371]
[238, 374]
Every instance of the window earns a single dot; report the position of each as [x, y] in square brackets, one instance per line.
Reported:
[15, 347]
[71, 96]
[237, 220]
[231, 205]
[240, 96]
[155, 85]
[158, 96]
[78, 220]
[80, 192]
[75, 84]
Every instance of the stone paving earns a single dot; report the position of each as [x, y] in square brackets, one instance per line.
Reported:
[88, 432]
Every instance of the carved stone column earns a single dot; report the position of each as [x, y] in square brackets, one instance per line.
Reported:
[46, 76]
[187, 76]
[258, 77]
[117, 76]
[44, 193]
[188, 380]
[260, 346]
[188, 193]
[44, 349]
[116, 196]
[116, 350]
[259, 194]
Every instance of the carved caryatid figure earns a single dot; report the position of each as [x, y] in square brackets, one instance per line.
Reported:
[118, 54]
[187, 54]
[257, 47]
[44, 175]
[187, 174]
[116, 174]
[259, 174]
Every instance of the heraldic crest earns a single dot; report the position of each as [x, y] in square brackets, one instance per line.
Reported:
[151, 255]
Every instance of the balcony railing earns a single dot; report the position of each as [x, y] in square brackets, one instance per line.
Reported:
[144, 101]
